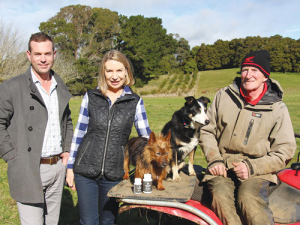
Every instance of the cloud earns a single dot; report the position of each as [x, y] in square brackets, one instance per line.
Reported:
[198, 21]
[293, 30]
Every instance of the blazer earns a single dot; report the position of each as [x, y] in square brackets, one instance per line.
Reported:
[23, 119]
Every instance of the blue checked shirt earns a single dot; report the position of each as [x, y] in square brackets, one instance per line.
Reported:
[140, 122]
[52, 138]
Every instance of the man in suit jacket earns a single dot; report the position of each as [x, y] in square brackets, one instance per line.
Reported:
[35, 134]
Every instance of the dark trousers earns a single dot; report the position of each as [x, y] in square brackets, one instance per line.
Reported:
[94, 206]
[237, 202]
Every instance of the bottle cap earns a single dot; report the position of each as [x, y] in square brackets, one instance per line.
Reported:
[147, 176]
[138, 181]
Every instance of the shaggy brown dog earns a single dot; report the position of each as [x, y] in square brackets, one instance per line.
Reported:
[149, 156]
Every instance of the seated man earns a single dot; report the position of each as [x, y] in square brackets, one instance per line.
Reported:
[250, 137]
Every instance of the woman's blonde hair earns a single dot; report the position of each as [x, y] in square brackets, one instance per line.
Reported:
[120, 57]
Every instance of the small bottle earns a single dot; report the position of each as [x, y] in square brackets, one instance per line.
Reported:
[137, 186]
[147, 183]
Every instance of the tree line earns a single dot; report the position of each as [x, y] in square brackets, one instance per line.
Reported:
[83, 34]
[285, 53]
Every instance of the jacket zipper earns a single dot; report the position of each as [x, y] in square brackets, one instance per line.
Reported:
[83, 151]
[106, 142]
[248, 131]
[123, 151]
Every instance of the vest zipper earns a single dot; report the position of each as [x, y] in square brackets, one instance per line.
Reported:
[248, 131]
[123, 151]
[106, 142]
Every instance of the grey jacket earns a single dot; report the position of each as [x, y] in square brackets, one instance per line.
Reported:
[23, 119]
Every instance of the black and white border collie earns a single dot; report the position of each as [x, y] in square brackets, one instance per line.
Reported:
[185, 131]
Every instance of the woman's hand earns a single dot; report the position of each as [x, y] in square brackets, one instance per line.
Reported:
[70, 179]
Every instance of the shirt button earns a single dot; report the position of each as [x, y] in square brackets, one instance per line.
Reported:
[30, 128]
[31, 108]
[29, 149]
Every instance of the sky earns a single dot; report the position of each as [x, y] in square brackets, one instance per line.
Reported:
[198, 21]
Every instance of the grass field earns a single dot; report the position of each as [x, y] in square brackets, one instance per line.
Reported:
[159, 111]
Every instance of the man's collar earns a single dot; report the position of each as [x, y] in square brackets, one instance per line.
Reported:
[36, 80]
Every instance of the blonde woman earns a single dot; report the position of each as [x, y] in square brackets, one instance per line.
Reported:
[107, 115]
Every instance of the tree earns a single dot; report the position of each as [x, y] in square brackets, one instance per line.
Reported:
[103, 29]
[183, 48]
[65, 67]
[237, 47]
[190, 66]
[208, 58]
[224, 53]
[13, 59]
[284, 53]
[166, 64]
[145, 42]
[82, 35]
[280, 53]
[86, 78]
[194, 52]
[68, 28]
[295, 55]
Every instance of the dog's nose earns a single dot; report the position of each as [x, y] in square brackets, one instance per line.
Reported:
[207, 122]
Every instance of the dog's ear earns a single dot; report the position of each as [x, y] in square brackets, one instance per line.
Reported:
[189, 99]
[152, 138]
[168, 137]
[205, 100]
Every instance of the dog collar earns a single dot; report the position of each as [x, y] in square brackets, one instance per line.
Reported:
[185, 124]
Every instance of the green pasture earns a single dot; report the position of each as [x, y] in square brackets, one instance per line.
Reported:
[159, 111]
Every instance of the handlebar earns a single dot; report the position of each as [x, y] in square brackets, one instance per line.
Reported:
[296, 166]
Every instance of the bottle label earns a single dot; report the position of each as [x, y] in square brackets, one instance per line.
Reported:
[147, 186]
[137, 189]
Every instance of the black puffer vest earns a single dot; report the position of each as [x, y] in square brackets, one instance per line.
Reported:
[101, 151]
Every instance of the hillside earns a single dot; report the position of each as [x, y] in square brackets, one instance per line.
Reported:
[173, 88]
[170, 85]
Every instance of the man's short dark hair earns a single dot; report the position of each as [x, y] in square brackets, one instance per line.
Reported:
[39, 37]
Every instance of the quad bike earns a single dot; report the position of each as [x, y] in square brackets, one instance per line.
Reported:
[189, 204]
